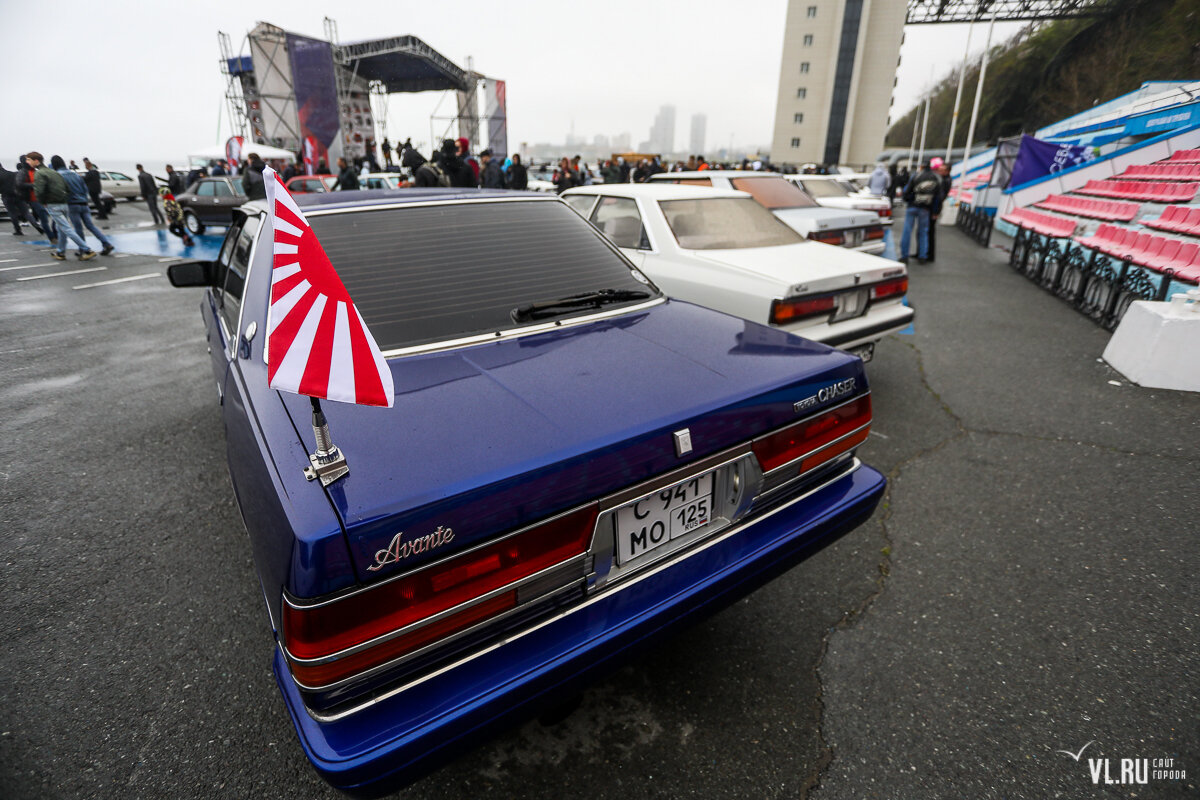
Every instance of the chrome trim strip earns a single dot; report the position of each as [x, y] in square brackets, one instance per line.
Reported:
[732, 530]
[649, 487]
[501, 336]
[300, 605]
[400, 659]
[790, 483]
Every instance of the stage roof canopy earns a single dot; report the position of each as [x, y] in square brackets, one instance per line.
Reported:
[402, 64]
[928, 11]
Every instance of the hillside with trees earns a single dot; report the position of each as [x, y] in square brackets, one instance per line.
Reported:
[1052, 70]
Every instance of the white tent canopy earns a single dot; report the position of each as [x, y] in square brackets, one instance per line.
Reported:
[215, 152]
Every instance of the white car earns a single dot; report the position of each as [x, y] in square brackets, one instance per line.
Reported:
[721, 249]
[835, 191]
[856, 230]
[118, 184]
[382, 180]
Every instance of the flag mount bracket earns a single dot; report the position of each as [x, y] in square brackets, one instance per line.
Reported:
[328, 463]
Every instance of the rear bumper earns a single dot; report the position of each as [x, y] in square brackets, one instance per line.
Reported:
[411, 731]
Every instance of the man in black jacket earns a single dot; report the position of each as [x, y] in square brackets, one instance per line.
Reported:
[175, 181]
[347, 179]
[923, 198]
[491, 176]
[253, 182]
[12, 203]
[91, 179]
[518, 176]
[149, 190]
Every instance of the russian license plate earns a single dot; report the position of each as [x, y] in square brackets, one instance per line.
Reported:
[864, 351]
[649, 523]
[850, 305]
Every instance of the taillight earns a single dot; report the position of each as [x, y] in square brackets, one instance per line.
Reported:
[816, 440]
[785, 311]
[326, 629]
[826, 237]
[874, 233]
[899, 286]
[884, 212]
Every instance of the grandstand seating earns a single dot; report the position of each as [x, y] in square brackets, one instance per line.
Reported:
[1178, 219]
[1184, 157]
[1162, 172]
[1142, 190]
[1159, 253]
[1045, 224]
[1111, 210]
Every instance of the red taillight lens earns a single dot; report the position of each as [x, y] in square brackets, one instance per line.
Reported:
[807, 437]
[826, 237]
[874, 233]
[326, 629]
[785, 311]
[885, 212]
[899, 286]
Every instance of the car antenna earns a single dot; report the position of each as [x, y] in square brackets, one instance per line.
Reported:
[328, 463]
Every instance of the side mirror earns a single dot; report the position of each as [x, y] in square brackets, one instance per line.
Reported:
[192, 273]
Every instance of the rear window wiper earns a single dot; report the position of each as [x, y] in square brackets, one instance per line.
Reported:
[550, 308]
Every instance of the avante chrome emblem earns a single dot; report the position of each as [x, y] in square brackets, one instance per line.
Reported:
[683, 442]
[399, 549]
[831, 392]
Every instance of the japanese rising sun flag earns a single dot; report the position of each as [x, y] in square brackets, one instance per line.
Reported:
[317, 343]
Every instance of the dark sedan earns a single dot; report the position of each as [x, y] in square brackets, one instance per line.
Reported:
[211, 201]
[575, 465]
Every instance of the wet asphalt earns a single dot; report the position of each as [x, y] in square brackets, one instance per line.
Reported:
[1027, 586]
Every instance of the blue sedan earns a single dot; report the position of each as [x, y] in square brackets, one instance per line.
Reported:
[575, 466]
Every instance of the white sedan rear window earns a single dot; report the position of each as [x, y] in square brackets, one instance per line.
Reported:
[725, 223]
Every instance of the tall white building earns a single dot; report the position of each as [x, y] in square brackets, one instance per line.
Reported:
[662, 133]
[696, 142]
[835, 80]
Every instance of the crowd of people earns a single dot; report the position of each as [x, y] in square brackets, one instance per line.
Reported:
[54, 199]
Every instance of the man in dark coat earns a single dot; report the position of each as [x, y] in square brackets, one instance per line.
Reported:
[8, 194]
[91, 179]
[491, 176]
[175, 180]
[252, 181]
[518, 176]
[347, 179]
[149, 190]
[923, 198]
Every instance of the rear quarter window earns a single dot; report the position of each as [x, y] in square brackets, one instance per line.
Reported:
[424, 274]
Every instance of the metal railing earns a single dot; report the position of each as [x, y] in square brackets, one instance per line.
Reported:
[1099, 286]
[976, 223]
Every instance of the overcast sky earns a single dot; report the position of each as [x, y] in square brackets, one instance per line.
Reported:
[140, 80]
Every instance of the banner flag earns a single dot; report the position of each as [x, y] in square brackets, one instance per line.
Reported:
[317, 342]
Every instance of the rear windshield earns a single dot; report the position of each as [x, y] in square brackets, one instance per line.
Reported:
[824, 189]
[422, 274]
[725, 223]
[774, 192]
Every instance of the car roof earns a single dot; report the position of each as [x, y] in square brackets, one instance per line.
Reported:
[389, 197]
[715, 173]
[655, 191]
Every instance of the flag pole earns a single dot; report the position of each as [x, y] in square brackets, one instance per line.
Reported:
[328, 463]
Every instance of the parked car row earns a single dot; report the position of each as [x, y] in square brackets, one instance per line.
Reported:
[577, 463]
[723, 249]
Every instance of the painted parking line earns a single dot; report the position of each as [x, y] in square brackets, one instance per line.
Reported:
[118, 280]
[7, 260]
[122, 255]
[30, 266]
[60, 274]
[172, 258]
